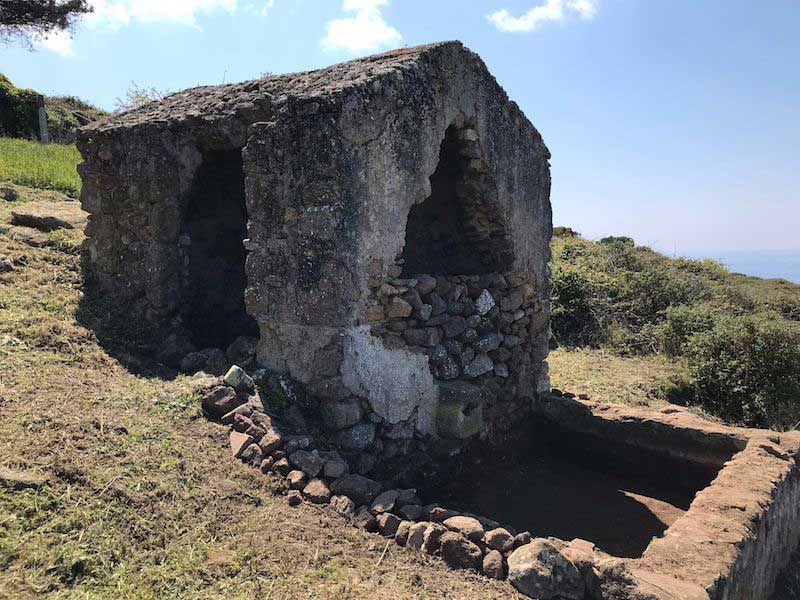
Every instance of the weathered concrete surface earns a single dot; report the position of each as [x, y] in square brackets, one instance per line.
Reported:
[395, 381]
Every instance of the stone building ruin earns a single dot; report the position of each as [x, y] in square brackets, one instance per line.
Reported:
[378, 231]
[382, 227]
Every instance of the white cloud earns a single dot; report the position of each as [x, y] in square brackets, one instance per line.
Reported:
[113, 14]
[59, 42]
[365, 31]
[550, 11]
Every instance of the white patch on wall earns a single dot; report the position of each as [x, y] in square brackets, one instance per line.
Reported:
[395, 381]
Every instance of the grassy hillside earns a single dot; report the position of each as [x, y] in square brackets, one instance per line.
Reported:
[19, 116]
[51, 166]
[738, 336]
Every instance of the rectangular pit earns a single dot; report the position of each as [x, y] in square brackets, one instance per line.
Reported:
[555, 482]
[692, 508]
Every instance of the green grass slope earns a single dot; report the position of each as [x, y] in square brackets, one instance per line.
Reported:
[51, 166]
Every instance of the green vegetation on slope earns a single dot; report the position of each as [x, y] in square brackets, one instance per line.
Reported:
[50, 167]
[739, 335]
[19, 116]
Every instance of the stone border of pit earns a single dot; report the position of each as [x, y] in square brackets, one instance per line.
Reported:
[732, 542]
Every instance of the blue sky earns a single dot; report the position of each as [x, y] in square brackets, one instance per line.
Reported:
[676, 122]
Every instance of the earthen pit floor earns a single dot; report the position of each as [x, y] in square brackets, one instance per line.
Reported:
[555, 482]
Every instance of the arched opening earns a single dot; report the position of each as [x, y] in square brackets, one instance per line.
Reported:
[458, 229]
[214, 257]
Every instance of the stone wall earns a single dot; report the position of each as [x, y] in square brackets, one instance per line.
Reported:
[416, 155]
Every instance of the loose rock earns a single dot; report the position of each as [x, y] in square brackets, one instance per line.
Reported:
[310, 463]
[493, 566]
[460, 553]
[317, 491]
[357, 487]
[467, 526]
[388, 524]
[539, 570]
[364, 519]
[384, 502]
[500, 539]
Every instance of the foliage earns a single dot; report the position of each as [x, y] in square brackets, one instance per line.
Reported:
[50, 166]
[616, 295]
[22, 19]
[19, 116]
[138, 96]
[747, 370]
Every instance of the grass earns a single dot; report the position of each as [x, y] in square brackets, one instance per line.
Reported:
[605, 376]
[51, 166]
[144, 499]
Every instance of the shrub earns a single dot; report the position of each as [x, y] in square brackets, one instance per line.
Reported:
[680, 324]
[747, 370]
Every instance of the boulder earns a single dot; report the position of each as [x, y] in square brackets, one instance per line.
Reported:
[388, 524]
[480, 365]
[484, 303]
[384, 502]
[358, 437]
[467, 526]
[365, 520]
[540, 570]
[425, 536]
[238, 442]
[294, 498]
[271, 441]
[220, 401]
[493, 566]
[296, 480]
[398, 308]
[459, 553]
[242, 350]
[252, 454]
[425, 284]
[342, 414]
[500, 539]
[357, 487]
[343, 505]
[335, 468]
[193, 362]
[310, 463]
[411, 512]
[459, 414]
[401, 535]
[317, 491]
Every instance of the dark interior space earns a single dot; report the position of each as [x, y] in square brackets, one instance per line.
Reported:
[216, 220]
[555, 482]
[438, 237]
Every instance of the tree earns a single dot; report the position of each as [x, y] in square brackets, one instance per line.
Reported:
[23, 19]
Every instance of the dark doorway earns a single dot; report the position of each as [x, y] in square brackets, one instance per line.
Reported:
[215, 222]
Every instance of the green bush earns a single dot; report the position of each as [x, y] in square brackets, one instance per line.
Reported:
[747, 370]
[18, 113]
[680, 324]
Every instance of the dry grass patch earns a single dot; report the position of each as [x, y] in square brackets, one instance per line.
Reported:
[608, 377]
[143, 499]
